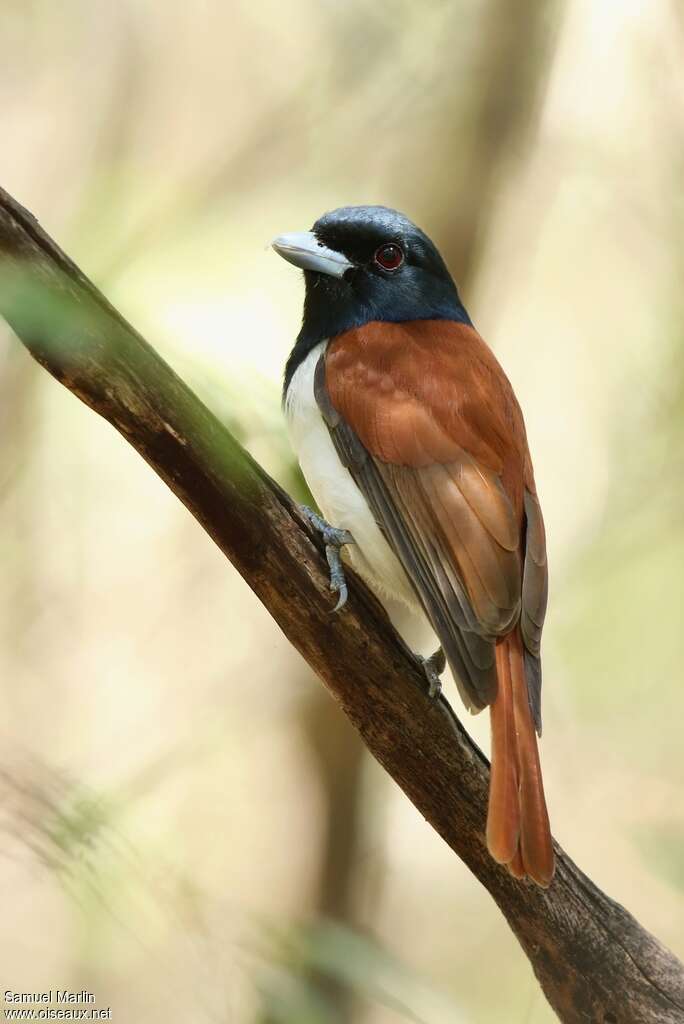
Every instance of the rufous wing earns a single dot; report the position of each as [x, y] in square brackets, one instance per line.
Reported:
[426, 421]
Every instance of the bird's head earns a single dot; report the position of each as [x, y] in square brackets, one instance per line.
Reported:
[366, 263]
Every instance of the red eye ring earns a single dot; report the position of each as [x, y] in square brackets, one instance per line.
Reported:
[389, 256]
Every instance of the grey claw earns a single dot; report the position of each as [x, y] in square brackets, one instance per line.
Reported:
[342, 599]
[334, 539]
[433, 667]
[338, 583]
[435, 689]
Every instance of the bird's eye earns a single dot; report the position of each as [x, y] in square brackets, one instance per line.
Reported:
[389, 256]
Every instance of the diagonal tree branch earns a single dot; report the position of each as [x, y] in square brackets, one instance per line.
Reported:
[592, 959]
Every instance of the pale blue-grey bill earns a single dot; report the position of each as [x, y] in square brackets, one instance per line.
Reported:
[303, 249]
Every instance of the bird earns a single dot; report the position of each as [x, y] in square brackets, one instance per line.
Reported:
[414, 448]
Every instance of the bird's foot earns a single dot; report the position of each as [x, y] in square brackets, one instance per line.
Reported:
[433, 668]
[334, 539]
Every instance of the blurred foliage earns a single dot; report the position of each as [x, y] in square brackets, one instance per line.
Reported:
[632, 565]
[335, 952]
[662, 848]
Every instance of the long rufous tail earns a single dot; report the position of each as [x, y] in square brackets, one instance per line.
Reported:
[518, 832]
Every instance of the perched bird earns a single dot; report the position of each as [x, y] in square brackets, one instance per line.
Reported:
[413, 444]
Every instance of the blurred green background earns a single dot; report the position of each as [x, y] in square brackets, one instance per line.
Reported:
[190, 828]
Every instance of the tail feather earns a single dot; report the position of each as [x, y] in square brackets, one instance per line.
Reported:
[518, 831]
[503, 818]
[535, 833]
[516, 867]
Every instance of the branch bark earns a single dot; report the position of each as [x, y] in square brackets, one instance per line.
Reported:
[593, 960]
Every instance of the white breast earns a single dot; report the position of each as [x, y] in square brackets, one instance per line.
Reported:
[338, 497]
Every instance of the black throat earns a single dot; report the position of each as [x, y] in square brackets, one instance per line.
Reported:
[328, 312]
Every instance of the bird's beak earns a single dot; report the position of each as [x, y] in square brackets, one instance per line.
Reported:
[304, 250]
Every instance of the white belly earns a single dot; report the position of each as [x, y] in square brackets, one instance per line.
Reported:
[338, 497]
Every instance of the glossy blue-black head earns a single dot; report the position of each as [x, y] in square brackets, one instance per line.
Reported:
[365, 263]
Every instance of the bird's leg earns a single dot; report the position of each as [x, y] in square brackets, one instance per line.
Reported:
[334, 539]
[433, 668]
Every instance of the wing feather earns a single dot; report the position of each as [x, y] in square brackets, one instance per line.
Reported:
[535, 592]
[426, 422]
